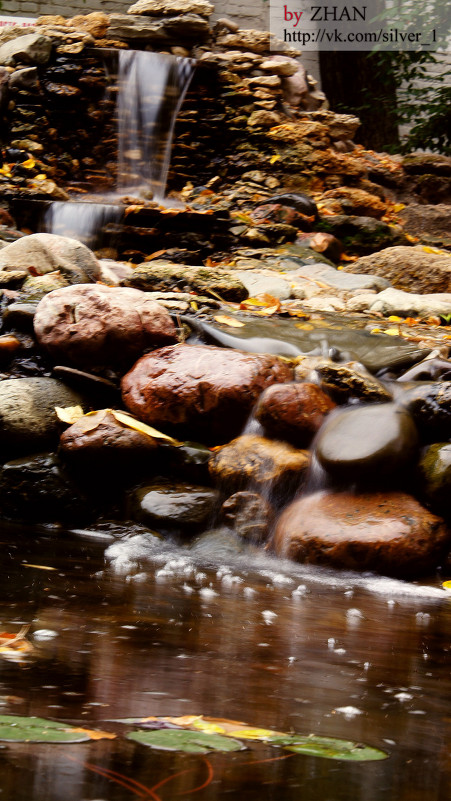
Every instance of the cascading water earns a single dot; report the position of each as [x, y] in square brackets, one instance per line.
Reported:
[151, 90]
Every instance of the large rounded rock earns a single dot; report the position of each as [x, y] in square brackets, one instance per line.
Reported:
[344, 381]
[100, 441]
[412, 269]
[97, 326]
[367, 442]
[258, 464]
[389, 533]
[28, 421]
[39, 254]
[294, 412]
[205, 391]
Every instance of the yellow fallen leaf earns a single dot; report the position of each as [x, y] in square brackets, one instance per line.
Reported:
[137, 425]
[28, 164]
[208, 728]
[411, 238]
[252, 734]
[376, 331]
[398, 207]
[428, 249]
[184, 720]
[392, 332]
[394, 319]
[230, 321]
[38, 567]
[93, 734]
[273, 159]
[304, 326]
[194, 305]
[446, 585]
[69, 414]
[41, 177]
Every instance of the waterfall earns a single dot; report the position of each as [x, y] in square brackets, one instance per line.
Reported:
[151, 90]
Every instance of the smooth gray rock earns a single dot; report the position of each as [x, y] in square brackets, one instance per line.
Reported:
[32, 48]
[28, 421]
[395, 301]
[260, 284]
[412, 269]
[45, 253]
[338, 279]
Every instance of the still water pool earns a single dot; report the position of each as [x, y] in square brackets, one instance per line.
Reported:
[274, 645]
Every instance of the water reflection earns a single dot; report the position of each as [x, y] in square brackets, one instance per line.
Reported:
[359, 658]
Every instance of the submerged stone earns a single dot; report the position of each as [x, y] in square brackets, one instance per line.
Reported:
[204, 391]
[367, 442]
[389, 533]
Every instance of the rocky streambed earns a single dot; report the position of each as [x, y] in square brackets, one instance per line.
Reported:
[227, 428]
[254, 368]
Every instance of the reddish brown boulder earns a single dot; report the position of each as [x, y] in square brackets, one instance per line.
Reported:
[294, 412]
[101, 441]
[259, 464]
[390, 533]
[202, 391]
[94, 325]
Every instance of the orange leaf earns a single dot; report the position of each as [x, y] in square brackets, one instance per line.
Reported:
[230, 321]
[94, 735]
[155, 255]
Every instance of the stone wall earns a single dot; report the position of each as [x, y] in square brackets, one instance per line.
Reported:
[254, 14]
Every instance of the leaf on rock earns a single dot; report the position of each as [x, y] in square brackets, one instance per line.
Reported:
[328, 748]
[190, 742]
[38, 730]
[69, 414]
[446, 585]
[127, 420]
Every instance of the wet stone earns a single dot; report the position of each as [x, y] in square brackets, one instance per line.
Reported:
[89, 326]
[389, 533]
[218, 544]
[44, 253]
[204, 392]
[99, 441]
[350, 380]
[164, 505]
[249, 514]
[430, 406]
[293, 412]
[257, 464]
[28, 421]
[434, 477]
[368, 442]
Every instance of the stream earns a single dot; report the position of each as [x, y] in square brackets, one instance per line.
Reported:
[274, 644]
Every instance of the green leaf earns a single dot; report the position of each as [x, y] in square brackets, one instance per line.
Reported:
[328, 748]
[191, 742]
[37, 730]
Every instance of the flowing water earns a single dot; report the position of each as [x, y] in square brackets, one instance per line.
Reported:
[269, 643]
[151, 90]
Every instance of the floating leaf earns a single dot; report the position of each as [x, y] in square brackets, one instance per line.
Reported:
[38, 730]
[329, 748]
[446, 585]
[93, 734]
[230, 321]
[69, 414]
[190, 742]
